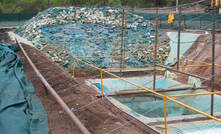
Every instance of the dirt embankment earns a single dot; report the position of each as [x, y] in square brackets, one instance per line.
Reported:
[100, 117]
[201, 52]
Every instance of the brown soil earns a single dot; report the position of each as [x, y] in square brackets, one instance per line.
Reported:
[4, 36]
[100, 117]
[202, 51]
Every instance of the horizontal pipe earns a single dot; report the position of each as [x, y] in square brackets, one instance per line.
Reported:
[196, 94]
[188, 74]
[97, 57]
[74, 118]
[158, 94]
[137, 91]
[149, 90]
[202, 62]
[194, 109]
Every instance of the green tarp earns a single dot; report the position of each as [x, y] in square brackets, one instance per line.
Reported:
[21, 112]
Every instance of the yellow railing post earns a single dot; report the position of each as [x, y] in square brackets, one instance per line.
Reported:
[165, 113]
[102, 86]
[182, 65]
[154, 92]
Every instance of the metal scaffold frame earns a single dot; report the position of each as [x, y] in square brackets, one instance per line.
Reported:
[180, 65]
[166, 98]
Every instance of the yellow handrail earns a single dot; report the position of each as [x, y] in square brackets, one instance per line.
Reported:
[165, 97]
[196, 94]
[194, 109]
[123, 79]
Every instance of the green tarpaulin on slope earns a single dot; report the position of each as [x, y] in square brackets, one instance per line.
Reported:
[21, 112]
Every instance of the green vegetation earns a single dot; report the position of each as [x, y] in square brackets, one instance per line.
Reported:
[27, 6]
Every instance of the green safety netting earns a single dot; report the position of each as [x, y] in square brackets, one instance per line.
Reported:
[192, 20]
[188, 20]
[16, 16]
[21, 112]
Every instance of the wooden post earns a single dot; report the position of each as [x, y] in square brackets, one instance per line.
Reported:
[155, 50]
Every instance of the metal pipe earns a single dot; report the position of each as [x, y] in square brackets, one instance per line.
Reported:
[177, 5]
[196, 94]
[74, 118]
[124, 48]
[194, 109]
[156, 93]
[139, 91]
[123, 79]
[122, 41]
[178, 48]
[213, 56]
[155, 50]
[188, 74]
[49, 3]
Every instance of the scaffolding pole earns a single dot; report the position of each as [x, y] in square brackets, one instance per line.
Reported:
[122, 41]
[154, 92]
[155, 50]
[184, 73]
[49, 3]
[213, 56]
[177, 5]
[178, 47]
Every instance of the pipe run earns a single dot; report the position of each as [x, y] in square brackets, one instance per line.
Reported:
[73, 117]
[188, 74]
[155, 93]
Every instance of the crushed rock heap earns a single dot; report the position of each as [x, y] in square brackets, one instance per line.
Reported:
[61, 32]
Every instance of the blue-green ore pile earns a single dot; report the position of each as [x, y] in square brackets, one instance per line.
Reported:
[62, 31]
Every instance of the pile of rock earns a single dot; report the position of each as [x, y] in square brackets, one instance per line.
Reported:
[145, 54]
[89, 32]
[57, 54]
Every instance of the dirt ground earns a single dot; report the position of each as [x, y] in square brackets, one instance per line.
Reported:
[100, 117]
[201, 51]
